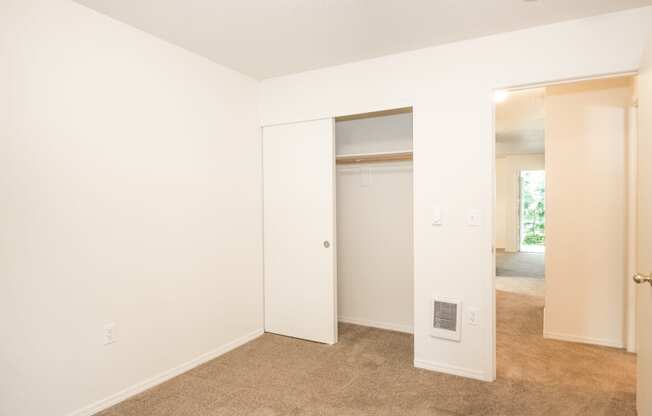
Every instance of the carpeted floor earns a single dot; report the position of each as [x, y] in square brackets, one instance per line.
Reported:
[370, 372]
[526, 285]
[520, 264]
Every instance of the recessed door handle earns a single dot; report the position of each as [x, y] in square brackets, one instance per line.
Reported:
[326, 244]
[642, 278]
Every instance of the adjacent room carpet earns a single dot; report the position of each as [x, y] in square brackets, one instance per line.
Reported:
[532, 286]
[520, 264]
[370, 372]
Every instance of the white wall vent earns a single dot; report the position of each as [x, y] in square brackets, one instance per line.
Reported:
[446, 318]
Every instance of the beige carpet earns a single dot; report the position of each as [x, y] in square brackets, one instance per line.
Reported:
[370, 372]
[520, 264]
[525, 285]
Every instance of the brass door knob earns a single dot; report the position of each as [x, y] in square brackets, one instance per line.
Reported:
[642, 278]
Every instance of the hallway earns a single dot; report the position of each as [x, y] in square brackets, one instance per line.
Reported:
[520, 264]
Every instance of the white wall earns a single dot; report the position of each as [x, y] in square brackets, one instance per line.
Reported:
[130, 185]
[508, 169]
[631, 248]
[586, 130]
[450, 88]
[374, 226]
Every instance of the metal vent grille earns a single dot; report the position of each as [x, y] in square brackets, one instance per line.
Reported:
[445, 316]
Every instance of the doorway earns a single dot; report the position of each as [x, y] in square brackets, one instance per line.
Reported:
[520, 192]
[570, 212]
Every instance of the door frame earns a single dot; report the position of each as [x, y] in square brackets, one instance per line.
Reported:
[631, 155]
[519, 209]
[390, 110]
[492, 173]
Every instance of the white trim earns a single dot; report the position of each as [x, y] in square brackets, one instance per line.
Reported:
[263, 125]
[451, 369]
[632, 72]
[583, 340]
[492, 215]
[631, 217]
[334, 230]
[374, 324]
[164, 376]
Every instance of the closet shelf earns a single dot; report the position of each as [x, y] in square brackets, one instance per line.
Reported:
[374, 157]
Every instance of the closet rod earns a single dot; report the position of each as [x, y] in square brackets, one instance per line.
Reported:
[373, 158]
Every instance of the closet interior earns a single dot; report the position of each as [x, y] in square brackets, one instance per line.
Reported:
[374, 209]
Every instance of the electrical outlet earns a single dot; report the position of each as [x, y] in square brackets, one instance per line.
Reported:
[473, 218]
[473, 317]
[109, 333]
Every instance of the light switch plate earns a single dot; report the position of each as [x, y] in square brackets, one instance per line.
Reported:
[109, 333]
[436, 216]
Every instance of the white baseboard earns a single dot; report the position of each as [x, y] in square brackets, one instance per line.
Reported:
[374, 324]
[164, 376]
[584, 340]
[450, 369]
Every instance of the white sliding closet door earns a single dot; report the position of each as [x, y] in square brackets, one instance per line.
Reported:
[299, 230]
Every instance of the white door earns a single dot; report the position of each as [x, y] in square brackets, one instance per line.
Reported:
[644, 188]
[299, 230]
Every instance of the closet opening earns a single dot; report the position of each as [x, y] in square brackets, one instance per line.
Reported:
[374, 210]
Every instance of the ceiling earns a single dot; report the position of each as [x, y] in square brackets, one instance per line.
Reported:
[520, 123]
[267, 38]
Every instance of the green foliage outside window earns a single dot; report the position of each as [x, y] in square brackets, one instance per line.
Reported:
[533, 185]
